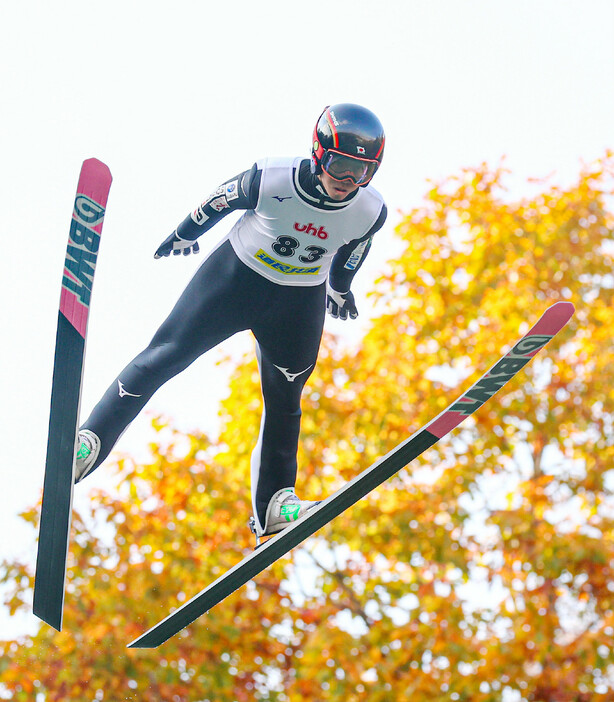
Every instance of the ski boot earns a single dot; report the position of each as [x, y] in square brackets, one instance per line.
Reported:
[88, 448]
[284, 508]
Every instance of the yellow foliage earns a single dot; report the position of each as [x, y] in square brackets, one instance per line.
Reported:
[485, 566]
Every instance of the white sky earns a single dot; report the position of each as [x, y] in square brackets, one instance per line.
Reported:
[177, 97]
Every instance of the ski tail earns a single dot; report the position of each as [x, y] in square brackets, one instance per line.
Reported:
[77, 280]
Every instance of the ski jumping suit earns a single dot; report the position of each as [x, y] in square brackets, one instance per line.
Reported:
[268, 274]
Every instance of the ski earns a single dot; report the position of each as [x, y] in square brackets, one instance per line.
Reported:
[551, 322]
[78, 277]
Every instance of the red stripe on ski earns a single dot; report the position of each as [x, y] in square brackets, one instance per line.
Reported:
[83, 242]
[549, 324]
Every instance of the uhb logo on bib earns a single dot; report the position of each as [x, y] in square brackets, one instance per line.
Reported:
[321, 233]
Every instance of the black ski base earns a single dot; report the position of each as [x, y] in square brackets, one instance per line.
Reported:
[58, 486]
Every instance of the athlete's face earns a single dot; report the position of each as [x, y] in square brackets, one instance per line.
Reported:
[337, 189]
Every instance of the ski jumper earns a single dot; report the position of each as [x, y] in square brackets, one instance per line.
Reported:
[268, 275]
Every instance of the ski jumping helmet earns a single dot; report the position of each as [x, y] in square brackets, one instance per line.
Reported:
[348, 143]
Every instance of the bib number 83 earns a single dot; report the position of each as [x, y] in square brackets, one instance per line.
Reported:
[287, 245]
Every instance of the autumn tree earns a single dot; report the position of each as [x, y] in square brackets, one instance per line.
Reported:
[482, 571]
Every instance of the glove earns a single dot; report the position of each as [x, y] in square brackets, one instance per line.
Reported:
[341, 304]
[177, 245]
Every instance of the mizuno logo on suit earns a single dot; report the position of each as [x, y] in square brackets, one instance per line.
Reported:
[123, 392]
[291, 377]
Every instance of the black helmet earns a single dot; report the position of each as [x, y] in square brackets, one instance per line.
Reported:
[348, 143]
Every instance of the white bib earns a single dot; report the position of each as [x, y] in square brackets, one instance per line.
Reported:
[290, 241]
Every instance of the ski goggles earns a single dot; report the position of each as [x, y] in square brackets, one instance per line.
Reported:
[343, 167]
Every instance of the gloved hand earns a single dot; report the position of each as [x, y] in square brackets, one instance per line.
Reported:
[340, 304]
[176, 245]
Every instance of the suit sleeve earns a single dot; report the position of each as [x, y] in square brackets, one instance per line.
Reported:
[350, 257]
[237, 193]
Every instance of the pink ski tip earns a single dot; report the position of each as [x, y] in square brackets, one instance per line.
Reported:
[565, 309]
[554, 318]
[95, 180]
[97, 167]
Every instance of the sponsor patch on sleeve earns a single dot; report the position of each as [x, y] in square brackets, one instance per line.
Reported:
[219, 203]
[198, 216]
[218, 191]
[356, 257]
[232, 190]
